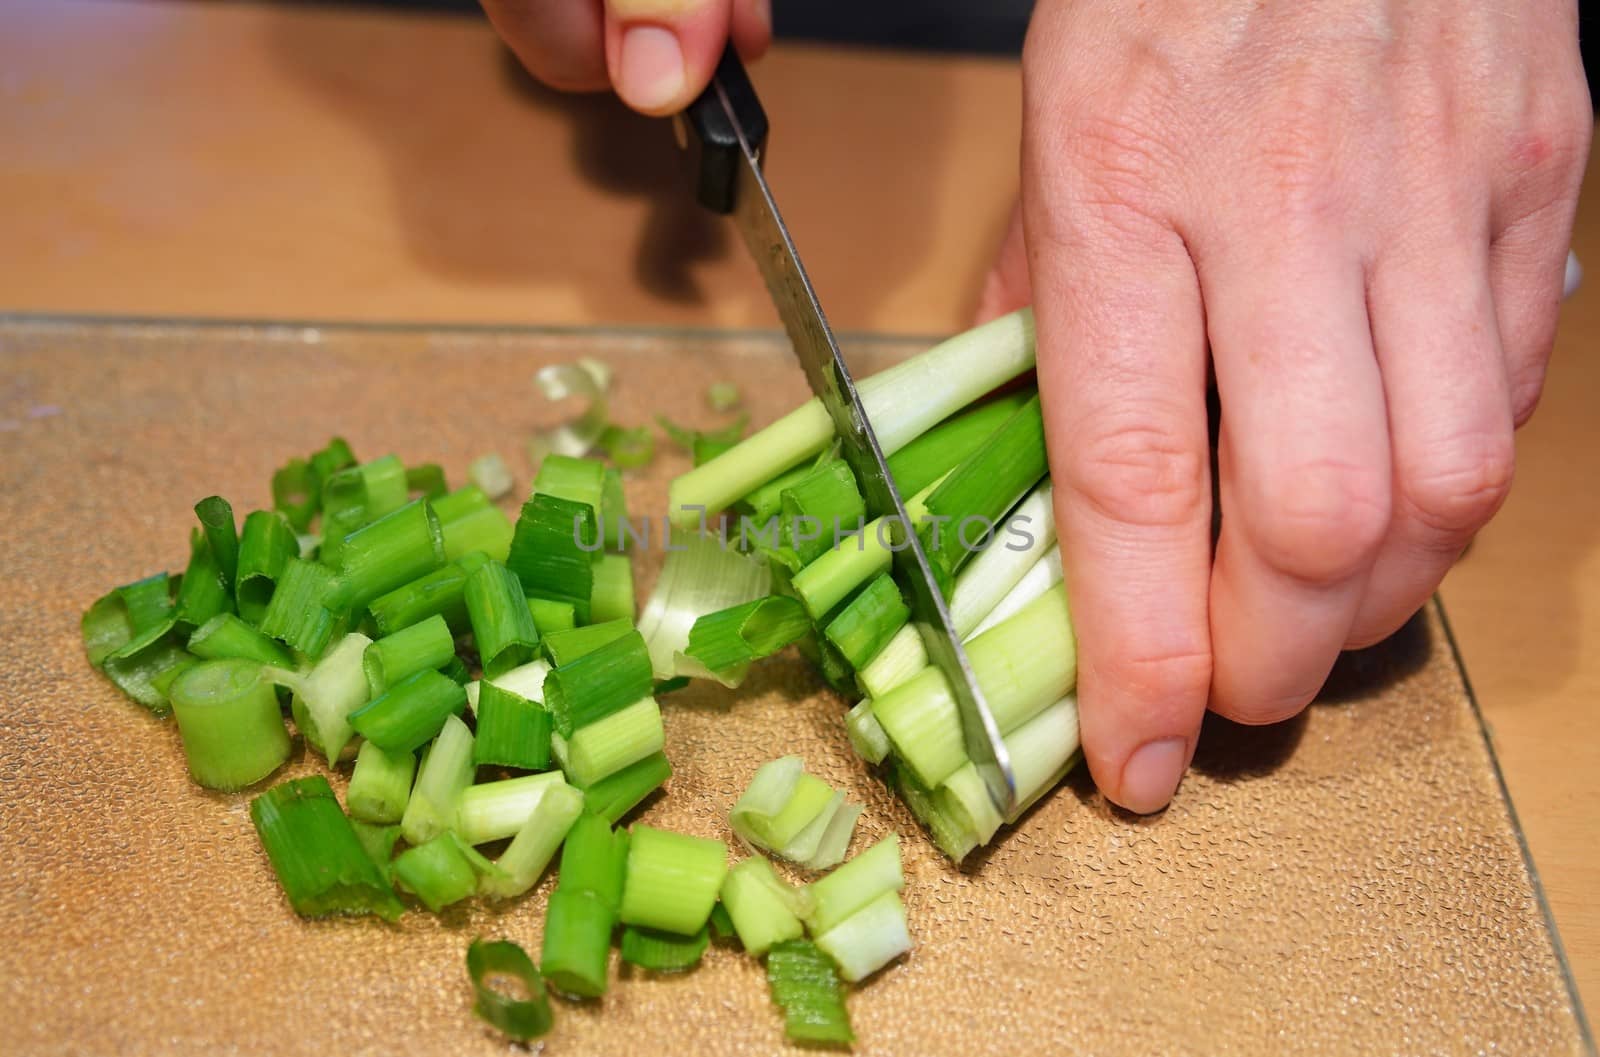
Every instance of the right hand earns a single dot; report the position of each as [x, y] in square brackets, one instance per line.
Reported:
[658, 55]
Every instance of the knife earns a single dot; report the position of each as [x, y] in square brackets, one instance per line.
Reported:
[725, 133]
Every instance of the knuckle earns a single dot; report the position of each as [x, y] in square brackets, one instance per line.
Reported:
[1321, 521]
[1144, 473]
[1298, 154]
[1454, 491]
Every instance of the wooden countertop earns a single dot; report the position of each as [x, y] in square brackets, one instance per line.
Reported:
[289, 162]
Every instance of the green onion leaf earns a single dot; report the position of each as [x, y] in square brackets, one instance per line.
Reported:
[552, 551]
[727, 642]
[296, 494]
[424, 646]
[512, 730]
[551, 616]
[318, 858]
[146, 666]
[502, 624]
[806, 988]
[700, 576]
[869, 621]
[216, 518]
[106, 627]
[663, 952]
[613, 510]
[869, 939]
[611, 596]
[406, 715]
[439, 593]
[576, 480]
[722, 927]
[390, 552]
[520, 1018]
[672, 880]
[855, 884]
[202, 593]
[497, 810]
[564, 647]
[600, 749]
[577, 942]
[225, 635]
[444, 773]
[232, 727]
[437, 872]
[380, 785]
[266, 544]
[600, 682]
[819, 508]
[148, 602]
[305, 611]
[615, 795]
[595, 859]
[378, 842]
[426, 480]
[946, 445]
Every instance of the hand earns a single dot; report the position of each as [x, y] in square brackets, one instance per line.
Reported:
[657, 54]
[1357, 212]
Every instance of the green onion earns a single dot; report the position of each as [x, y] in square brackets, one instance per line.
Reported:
[490, 473]
[595, 859]
[437, 872]
[605, 746]
[470, 522]
[459, 504]
[426, 480]
[148, 603]
[318, 858]
[521, 1018]
[106, 627]
[611, 597]
[1042, 748]
[869, 939]
[502, 624]
[700, 576]
[441, 777]
[233, 732]
[456, 669]
[534, 845]
[225, 635]
[663, 952]
[723, 396]
[424, 646]
[902, 403]
[326, 696]
[946, 445]
[687, 439]
[819, 507]
[577, 942]
[805, 986]
[765, 502]
[216, 518]
[600, 682]
[295, 493]
[202, 593]
[344, 510]
[387, 485]
[727, 642]
[920, 719]
[992, 574]
[378, 842]
[855, 884]
[497, 810]
[551, 616]
[868, 621]
[613, 511]
[512, 731]
[439, 593]
[564, 647]
[722, 925]
[866, 733]
[266, 544]
[672, 880]
[761, 905]
[525, 680]
[390, 552]
[1040, 577]
[972, 499]
[380, 785]
[951, 835]
[782, 802]
[705, 448]
[146, 666]
[576, 480]
[552, 551]
[904, 656]
[964, 797]
[406, 715]
[630, 449]
[615, 795]
[305, 611]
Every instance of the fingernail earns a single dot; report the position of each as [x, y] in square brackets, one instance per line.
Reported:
[763, 11]
[1151, 775]
[650, 74]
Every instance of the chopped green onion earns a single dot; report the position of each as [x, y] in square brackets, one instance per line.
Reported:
[722, 396]
[964, 797]
[819, 508]
[497, 810]
[1041, 749]
[146, 666]
[946, 445]
[551, 616]
[502, 624]
[512, 730]
[564, 647]
[672, 880]
[233, 732]
[902, 403]
[869, 939]
[305, 611]
[106, 627]
[586, 380]
[456, 669]
[225, 635]
[552, 551]
[600, 682]
[344, 509]
[869, 621]
[470, 522]
[663, 952]
[525, 681]
[705, 448]
[785, 810]
[722, 924]
[700, 576]
[441, 592]
[318, 858]
[216, 518]
[951, 835]
[409, 713]
[727, 642]
[576, 480]
[904, 656]
[605, 746]
[445, 772]
[380, 785]
[530, 851]
[611, 597]
[521, 1018]
[202, 593]
[595, 859]
[426, 480]
[437, 872]
[866, 733]
[390, 552]
[148, 603]
[1043, 575]
[464, 501]
[855, 884]
[764, 503]
[991, 575]
[386, 484]
[577, 942]
[805, 986]
[295, 493]
[490, 473]
[615, 795]
[613, 510]
[266, 544]
[424, 646]
[325, 698]
[761, 905]
[378, 842]
[630, 449]
[832, 578]
[920, 719]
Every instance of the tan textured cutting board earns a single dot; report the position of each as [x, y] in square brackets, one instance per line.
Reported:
[1348, 883]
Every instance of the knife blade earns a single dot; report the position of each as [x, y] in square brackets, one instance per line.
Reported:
[725, 131]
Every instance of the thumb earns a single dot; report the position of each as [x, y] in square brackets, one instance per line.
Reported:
[1005, 287]
[661, 53]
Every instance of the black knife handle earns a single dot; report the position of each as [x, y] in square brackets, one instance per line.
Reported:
[711, 139]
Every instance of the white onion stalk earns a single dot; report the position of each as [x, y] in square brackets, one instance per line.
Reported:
[994, 571]
[701, 575]
[1045, 574]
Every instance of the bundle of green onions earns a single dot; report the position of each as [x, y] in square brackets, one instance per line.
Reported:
[799, 563]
